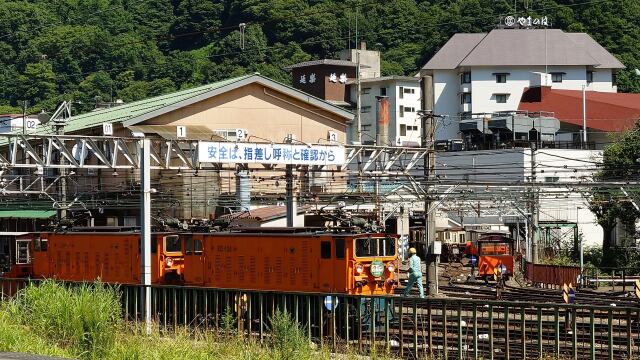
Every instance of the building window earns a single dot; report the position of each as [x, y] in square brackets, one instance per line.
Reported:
[501, 78]
[409, 109]
[589, 77]
[365, 109]
[409, 91]
[130, 221]
[465, 98]
[556, 77]
[383, 91]
[403, 130]
[366, 91]
[551, 179]
[401, 111]
[465, 77]
[501, 98]
[401, 93]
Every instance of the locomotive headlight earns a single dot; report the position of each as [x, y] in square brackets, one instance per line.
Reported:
[391, 267]
[359, 268]
[168, 261]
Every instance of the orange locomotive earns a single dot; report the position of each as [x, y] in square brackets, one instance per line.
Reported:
[307, 262]
[495, 255]
[257, 259]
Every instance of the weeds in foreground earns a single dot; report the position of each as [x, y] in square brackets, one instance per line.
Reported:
[83, 319]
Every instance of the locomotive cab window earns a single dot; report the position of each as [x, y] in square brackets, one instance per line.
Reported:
[325, 249]
[154, 245]
[197, 247]
[367, 247]
[339, 248]
[172, 244]
[193, 246]
[494, 249]
[189, 245]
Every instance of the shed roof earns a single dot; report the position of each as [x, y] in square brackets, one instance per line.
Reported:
[610, 112]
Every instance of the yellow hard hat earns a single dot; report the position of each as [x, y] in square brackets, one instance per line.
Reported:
[412, 250]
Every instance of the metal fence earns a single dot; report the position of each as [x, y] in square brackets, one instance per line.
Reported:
[405, 327]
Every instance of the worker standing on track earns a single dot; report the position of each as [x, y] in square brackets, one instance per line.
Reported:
[415, 273]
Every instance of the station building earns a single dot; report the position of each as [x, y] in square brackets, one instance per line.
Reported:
[250, 108]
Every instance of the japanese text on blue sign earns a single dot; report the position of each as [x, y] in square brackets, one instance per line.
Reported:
[286, 154]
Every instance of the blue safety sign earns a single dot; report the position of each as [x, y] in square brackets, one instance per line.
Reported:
[329, 302]
[473, 260]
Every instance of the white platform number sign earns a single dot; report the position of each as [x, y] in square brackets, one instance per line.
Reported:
[30, 124]
[241, 134]
[107, 129]
[332, 136]
[285, 154]
[181, 131]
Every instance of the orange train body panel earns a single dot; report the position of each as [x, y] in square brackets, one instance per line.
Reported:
[292, 261]
[285, 262]
[89, 256]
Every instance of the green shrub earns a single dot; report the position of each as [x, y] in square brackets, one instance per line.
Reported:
[288, 340]
[85, 318]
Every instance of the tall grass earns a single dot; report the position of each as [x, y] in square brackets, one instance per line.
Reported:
[84, 319]
[85, 322]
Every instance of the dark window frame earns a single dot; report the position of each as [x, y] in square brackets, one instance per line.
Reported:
[465, 77]
[340, 248]
[500, 97]
[589, 76]
[557, 77]
[463, 98]
[325, 249]
[501, 78]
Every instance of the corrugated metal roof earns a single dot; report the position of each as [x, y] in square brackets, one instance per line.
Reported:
[135, 112]
[27, 214]
[522, 47]
[325, 62]
[129, 111]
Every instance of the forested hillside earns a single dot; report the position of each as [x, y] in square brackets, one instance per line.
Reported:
[99, 50]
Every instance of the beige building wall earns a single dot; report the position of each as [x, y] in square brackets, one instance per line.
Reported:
[263, 112]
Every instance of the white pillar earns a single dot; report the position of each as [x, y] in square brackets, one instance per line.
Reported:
[145, 231]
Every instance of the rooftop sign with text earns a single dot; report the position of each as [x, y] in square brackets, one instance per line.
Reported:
[274, 154]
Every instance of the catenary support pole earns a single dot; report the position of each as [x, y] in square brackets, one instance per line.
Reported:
[534, 233]
[145, 231]
[292, 204]
[428, 134]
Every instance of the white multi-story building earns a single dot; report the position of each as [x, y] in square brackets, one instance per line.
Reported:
[488, 72]
[404, 103]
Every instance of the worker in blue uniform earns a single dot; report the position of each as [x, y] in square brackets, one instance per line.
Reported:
[415, 273]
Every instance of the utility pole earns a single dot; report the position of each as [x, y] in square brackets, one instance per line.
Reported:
[533, 224]
[428, 134]
[145, 231]
[292, 205]
[25, 104]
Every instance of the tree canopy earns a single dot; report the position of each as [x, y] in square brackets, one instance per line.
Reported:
[102, 50]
